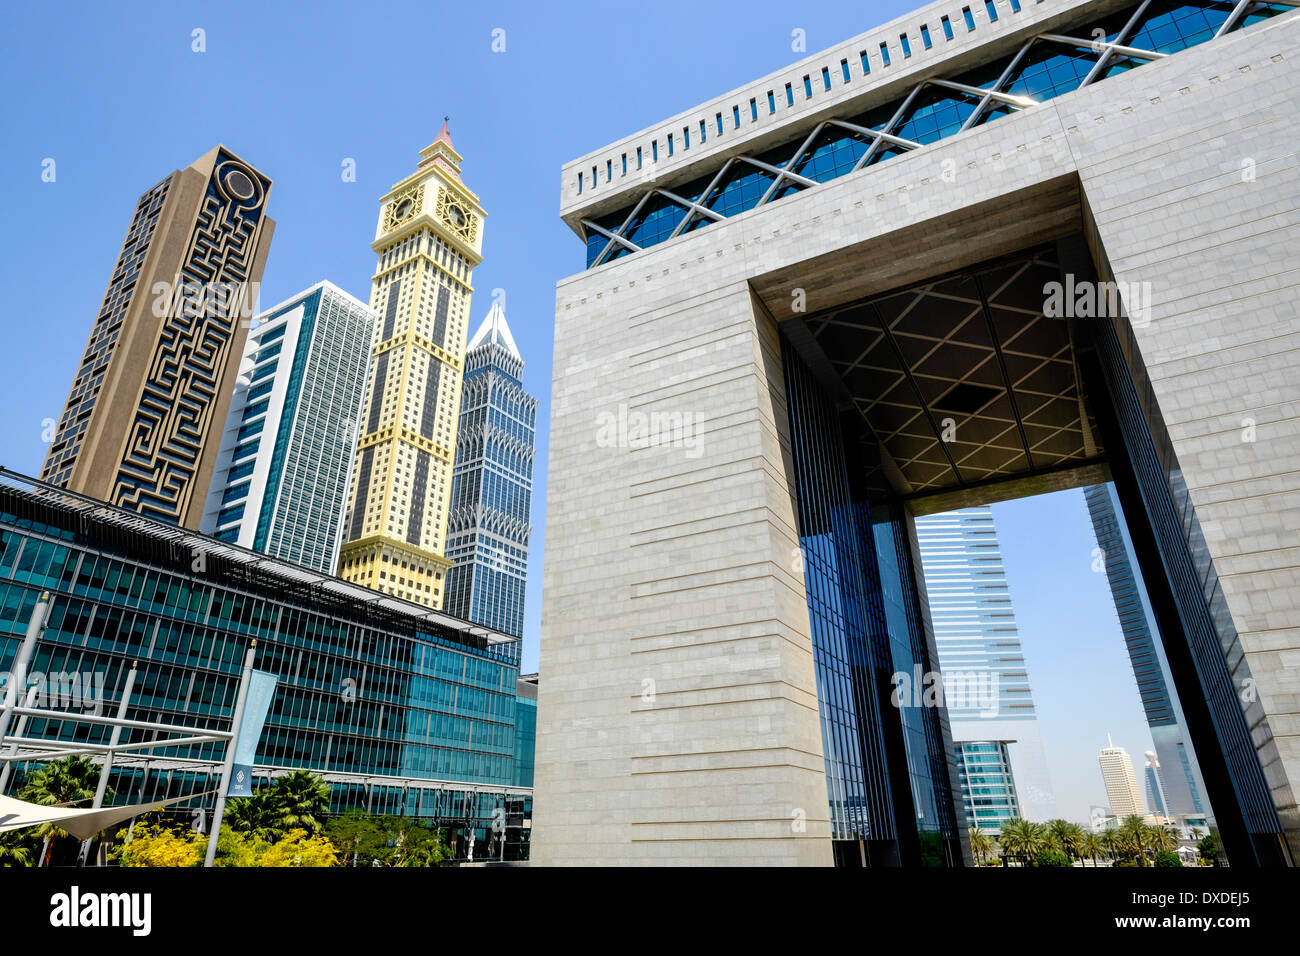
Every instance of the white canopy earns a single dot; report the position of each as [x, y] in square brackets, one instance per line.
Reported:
[80, 823]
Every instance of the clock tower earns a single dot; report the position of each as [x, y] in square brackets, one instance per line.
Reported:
[428, 242]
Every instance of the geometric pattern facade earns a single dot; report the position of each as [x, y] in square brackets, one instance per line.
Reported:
[1045, 67]
[147, 406]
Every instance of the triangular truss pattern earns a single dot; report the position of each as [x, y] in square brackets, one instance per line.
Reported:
[1104, 57]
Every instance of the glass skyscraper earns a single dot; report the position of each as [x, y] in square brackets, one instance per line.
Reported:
[1179, 773]
[281, 480]
[986, 680]
[492, 483]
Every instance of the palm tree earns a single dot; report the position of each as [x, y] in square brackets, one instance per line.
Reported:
[14, 851]
[981, 844]
[1090, 844]
[255, 816]
[59, 783]
[1135, 837]
[1023, 839]
[1060, 837]
[301, 800]
[1107, 841]
[1161, 838]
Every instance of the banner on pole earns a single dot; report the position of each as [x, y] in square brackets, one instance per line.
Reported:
[261, 689]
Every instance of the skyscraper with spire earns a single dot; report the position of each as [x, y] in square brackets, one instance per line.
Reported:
[491, 486]
[428, 240]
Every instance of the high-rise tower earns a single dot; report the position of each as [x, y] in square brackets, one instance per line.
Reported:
[492, 484]
[986, 680]
[428, 241]
[1182, 785]
[1121, 783]
[143, 419]
[281, 478]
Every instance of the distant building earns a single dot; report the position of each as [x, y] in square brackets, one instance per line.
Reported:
[979, 646]
[492, 483]
[281, 479]
[988, 787]
[1180, 777]
[1121, 783]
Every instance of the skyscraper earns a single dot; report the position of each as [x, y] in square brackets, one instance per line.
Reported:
[988, 787]
[1155, 788]
[1180, 773]
[142, 421]
[281, 478]
[1121, 783]
[491, 485]
[986, 679]
[428, 240]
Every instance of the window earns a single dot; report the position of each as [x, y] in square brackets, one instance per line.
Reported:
[866, 63]
[844, 70]
[654, 151]
[720, 123]
[771, 100]
[970, 19]
[609, 170]
[753, 109]
[789, 93]
[625, 164]
[884, 53]
[670, 144]
[905, 44]
[638, 157]
[992, 10]
[1015, 6]
[925, 36]
[735, 114]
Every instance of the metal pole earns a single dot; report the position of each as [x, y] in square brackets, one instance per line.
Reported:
[18, 732]
[228, 767]
[18, 677]
[102, 787]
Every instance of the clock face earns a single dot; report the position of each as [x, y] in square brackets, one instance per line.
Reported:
[456, 215]
[403, 209]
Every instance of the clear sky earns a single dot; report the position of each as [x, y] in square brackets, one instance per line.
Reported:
[116, 96]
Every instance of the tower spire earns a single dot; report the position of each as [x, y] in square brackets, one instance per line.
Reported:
[442, 153]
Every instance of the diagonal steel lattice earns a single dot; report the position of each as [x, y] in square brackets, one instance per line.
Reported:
[884, 137]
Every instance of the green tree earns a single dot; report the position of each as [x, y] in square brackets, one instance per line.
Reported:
[363, 839]
[301, 799]
[1167, 858]
[1208, 847]
[255, 816]
[16, 849]
[1023, 840]
[981, 844]
[60, 783]
[1048, 857]
[1090, 846]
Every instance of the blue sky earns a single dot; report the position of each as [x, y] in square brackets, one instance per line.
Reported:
[116, 96]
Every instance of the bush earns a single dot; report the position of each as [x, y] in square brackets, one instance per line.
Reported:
[1051, 858]
[1168, 858]
[154, 844]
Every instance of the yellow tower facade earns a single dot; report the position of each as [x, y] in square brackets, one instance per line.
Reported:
[429, 239]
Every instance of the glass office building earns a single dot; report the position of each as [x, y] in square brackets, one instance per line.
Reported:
[988, 787]
[401, 709]
[492, 483]
[525, 730]
[890, 776]
[281, 479]
[986, 679]
[1182, 787]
